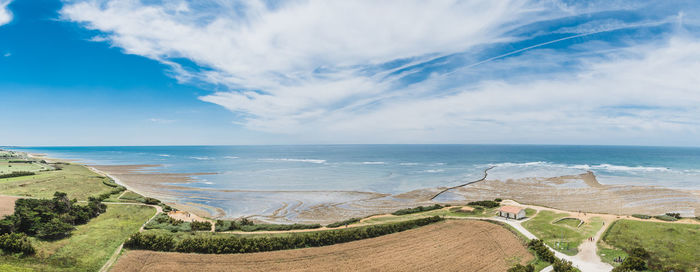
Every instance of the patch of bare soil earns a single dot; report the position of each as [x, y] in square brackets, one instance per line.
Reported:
[7, 205]
[458, 245]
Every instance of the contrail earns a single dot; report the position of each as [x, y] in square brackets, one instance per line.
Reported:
[559, 40]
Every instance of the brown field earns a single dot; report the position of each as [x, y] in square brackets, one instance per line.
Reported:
[456, 245]
[7, 205]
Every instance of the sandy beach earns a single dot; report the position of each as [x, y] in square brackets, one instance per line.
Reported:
[575, 192]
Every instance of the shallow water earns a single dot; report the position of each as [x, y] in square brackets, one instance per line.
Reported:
[388, 169]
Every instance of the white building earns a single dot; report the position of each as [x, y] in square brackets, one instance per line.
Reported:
[511, 212]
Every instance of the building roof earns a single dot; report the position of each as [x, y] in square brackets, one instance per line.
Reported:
[510, 209]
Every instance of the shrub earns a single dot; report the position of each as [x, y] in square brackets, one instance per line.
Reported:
[485, 203]
[151, 201]
[165, 222]
[674, 215]
[16, 243]
[563, 266]
[542, 251]
[344, 222]
[498, 200]
[417, 209]
[666, 218]
[639, 253]
[15, 174]
[522, 268]
[641, 216]
[200, 225]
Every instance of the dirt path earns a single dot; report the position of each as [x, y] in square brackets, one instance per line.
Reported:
[116, 253]
[189, 217]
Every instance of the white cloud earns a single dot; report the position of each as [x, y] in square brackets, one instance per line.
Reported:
[301, 68]
[5, 14]
[161, 121]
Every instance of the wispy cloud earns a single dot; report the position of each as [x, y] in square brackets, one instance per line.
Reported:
[456, 71]
[161, 121]
[5, 14]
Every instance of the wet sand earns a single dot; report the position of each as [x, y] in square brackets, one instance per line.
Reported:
[576, 192]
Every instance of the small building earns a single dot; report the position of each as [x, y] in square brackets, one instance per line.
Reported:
[511, 212]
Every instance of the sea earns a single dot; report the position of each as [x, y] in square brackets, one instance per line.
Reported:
[390, 169]
[394, 168]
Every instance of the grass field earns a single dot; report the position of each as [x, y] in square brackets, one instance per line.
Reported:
[563, 231]
[489, 212]
[7, 167]
[453, 245]
[75, 180]
[668, 244]
[90, 245]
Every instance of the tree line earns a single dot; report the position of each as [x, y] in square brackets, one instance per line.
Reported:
[417, 209]
[234, 244]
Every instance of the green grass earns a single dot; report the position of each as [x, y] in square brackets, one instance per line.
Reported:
[569, 222]
[75, 180]
[91, 244]
[6, 167]
[669, 244]
[487, 212]
[529, 212]
[566, 232]
[130, 196]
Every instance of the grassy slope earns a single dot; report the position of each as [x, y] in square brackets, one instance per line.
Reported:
[672, 244]
[541, 226]
[90, 245]
[75, 180]
[6, 167]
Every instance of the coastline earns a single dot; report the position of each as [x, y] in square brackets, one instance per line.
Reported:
[573, 192]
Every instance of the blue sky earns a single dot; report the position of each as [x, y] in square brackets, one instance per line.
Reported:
[89, 72]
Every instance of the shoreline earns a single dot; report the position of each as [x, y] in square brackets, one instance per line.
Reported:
[573, 192]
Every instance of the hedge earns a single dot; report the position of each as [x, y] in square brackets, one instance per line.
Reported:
[15, 174]
[485, 203]
[234, 244]
[343, 223]
[417, 209]
[248, 226]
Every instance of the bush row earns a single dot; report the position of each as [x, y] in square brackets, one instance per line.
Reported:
[417, 209]
[666, 218]
[343, 223]
[16, 243]
[200, 225]
[248, 226]
[641, 216]
[15, 174]
[233, 244]
[485, 203]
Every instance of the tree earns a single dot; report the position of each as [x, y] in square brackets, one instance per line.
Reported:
[522, 268]
[54, 229]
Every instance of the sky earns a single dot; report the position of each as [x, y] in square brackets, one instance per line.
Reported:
[152, 72]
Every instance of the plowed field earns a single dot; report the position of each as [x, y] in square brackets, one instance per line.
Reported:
[455, 245]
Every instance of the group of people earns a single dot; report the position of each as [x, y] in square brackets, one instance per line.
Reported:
[618, 259]
[591, 239]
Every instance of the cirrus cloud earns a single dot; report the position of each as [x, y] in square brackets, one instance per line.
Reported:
[406, 71]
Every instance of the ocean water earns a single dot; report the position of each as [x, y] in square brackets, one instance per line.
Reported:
[395, 168]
